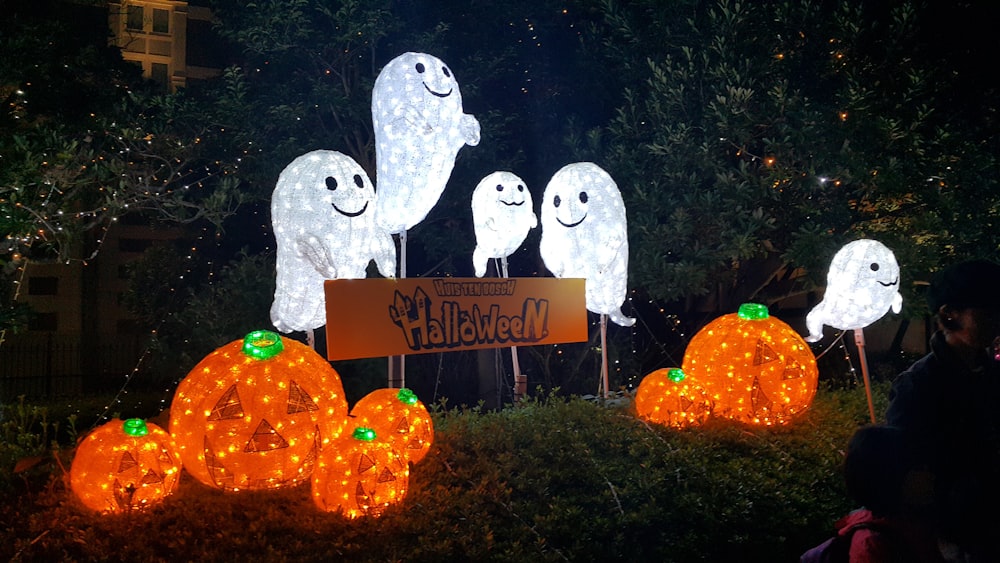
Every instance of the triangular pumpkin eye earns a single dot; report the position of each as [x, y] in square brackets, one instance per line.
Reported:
[365, 463]
[764, 353]
[794, 370]
[299, 400]
[228, 406]
[151, 478]
[265, 438]
[127, 462]
[403, 426]
[386, 476]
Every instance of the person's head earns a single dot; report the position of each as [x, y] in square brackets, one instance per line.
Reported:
[875, 468]
[965, 298]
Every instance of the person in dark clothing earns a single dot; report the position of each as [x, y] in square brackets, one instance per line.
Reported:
[891, 526]
[946, 404]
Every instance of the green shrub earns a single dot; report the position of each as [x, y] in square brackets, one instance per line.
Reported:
[553, 479]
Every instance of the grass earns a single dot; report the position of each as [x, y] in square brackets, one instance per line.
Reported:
[554, 479]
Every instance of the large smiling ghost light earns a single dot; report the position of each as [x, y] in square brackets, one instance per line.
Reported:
[322, 212]
[861, 286]
[502, 215]
[584, 235]
[419, 129]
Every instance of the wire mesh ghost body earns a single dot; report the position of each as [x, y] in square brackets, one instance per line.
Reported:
[419, 129]
[502, 215]
[861, 286]
[322, 212]
[584, 235]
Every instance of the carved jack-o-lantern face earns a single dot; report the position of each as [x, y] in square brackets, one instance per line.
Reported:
[399, 418]
[122, 466]
[754, 368]
[359, 475]
[255, 413]
[669, 397]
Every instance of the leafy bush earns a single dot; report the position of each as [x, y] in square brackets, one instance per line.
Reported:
[552, 479]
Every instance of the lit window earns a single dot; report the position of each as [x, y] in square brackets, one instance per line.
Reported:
[134, 21]
[161, 21]
[158, 72]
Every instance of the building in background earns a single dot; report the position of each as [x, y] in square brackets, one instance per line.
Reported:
[166, 38]
[81, 337]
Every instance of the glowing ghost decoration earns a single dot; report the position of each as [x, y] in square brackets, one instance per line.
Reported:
[861, 286]
[502, 215]
[584, 235]
[419, 129]
[322, 211]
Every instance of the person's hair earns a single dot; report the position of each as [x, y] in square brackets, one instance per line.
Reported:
[876, 463]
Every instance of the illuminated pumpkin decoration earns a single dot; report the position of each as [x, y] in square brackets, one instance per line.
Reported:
[399, 418]
[125, 465]
[359, 475]
[254, 413]
[670, 398]
[754, 368]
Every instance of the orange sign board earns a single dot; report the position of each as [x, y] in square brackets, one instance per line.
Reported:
[375, 317]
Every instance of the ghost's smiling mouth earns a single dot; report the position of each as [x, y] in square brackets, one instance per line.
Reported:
[348, 213]
[571, 225]
[512, 203]
[438, 94]
[888, 284]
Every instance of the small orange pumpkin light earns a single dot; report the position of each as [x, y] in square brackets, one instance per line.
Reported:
[359, 475]
[254, 413]
[399, 418]
[125, 465]
[754, 367]
[669, 397]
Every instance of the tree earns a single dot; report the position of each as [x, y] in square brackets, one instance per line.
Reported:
[83, 140]
[752, 140]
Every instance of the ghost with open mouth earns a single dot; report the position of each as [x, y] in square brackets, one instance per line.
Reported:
[322, 212]
[502, 215]
[419, 128]
[861, 286]
[584, 235]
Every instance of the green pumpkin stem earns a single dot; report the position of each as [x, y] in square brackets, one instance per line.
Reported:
[262, 344]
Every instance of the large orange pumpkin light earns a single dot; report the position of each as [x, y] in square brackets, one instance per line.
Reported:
[123, 465]
[398, 417]
[359, 475]
[754, 367]
[669, 397]
[254, 413]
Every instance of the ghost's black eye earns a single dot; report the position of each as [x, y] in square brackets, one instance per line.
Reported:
[520, 188]
[420, 68]
[358, 181]
[874, 266]
[499, 187]
[446, 72]
[583, 197]
[556, 201]
[331, 183]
